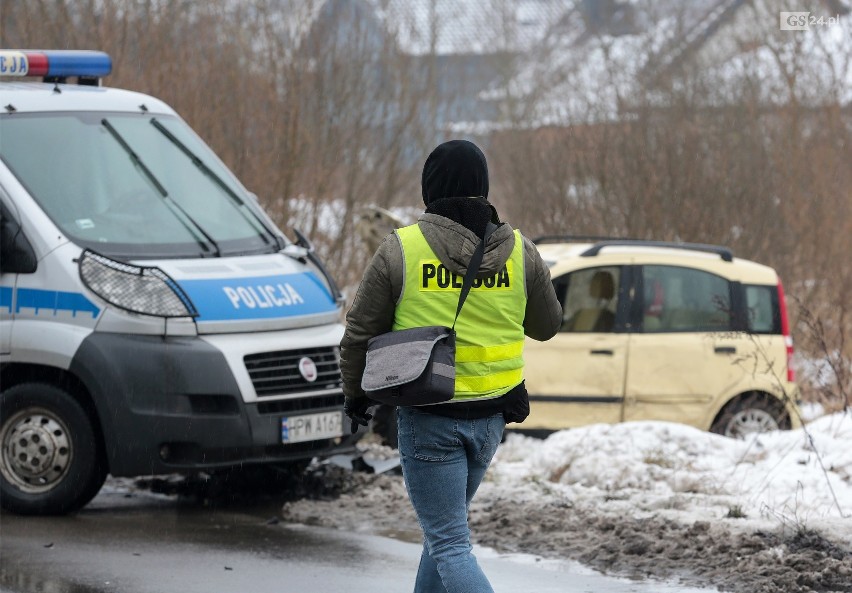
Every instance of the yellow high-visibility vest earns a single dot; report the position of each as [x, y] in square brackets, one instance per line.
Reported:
[489, 331]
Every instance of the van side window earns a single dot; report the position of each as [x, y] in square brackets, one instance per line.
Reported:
[590, 299]
[678, 299]
[763, 315]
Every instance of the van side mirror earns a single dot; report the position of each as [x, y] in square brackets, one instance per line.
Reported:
[304, 243]
[16, 253]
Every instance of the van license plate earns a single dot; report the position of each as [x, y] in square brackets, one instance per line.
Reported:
[311, 427]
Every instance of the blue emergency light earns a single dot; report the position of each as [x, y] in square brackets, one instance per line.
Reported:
[55, 63]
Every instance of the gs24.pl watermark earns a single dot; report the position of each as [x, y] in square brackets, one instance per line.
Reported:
[803, 21]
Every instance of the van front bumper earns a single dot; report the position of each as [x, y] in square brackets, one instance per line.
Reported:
[172, 404]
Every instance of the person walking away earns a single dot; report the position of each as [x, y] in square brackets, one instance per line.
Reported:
[413, 280]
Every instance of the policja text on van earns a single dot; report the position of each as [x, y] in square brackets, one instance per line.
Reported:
[263, 296]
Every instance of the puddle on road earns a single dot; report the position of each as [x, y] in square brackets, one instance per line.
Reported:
[404, 535]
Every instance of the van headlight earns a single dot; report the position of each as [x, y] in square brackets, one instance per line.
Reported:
[145, 290]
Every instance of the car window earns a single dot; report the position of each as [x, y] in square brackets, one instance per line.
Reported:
[762, 311]
[589, 299]
[676, 299]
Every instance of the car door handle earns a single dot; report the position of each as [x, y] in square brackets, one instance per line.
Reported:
[603, 352]
[725, 350]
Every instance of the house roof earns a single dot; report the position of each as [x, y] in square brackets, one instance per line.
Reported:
[583, 60]
[585, 73]
[811, 67]
[583, 76]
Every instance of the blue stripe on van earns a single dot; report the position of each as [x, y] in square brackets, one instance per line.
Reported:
[261, 297]
[51, 301]
[6, 298]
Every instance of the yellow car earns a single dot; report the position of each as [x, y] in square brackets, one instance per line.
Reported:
[662, 331]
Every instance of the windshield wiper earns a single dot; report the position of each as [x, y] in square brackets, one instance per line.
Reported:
[253, 220]
[137, 160]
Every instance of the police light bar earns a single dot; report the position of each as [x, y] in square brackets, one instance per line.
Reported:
[55, 63]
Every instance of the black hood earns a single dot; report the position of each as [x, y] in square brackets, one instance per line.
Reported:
[455, 185]
[455, 169]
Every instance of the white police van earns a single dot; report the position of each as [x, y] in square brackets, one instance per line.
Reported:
[153, 319]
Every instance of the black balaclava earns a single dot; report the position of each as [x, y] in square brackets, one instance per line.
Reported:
[453, 173]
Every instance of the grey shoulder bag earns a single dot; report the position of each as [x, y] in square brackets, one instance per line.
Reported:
[417, 366]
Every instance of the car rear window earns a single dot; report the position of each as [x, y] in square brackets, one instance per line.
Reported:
[763, 315]
[677, 299]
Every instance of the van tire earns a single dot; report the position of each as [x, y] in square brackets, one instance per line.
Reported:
[43, 427]
[751, 413]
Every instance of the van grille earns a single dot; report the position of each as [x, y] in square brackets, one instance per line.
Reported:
[277, 373]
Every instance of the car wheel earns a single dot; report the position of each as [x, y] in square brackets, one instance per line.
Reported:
[750, 414]
[50, 461]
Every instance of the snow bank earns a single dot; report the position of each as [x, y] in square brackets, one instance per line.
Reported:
[801, 478]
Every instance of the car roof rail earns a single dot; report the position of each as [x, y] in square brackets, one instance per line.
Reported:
[574, 238]
[723, 252]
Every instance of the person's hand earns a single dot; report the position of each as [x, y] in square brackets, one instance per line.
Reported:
[356, 409]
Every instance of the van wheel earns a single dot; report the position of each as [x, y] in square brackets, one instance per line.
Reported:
[749, 414]
[50, 462]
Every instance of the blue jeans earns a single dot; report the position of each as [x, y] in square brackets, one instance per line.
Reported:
[443, 463]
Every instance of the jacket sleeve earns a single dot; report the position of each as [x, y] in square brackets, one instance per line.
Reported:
[371, 313]
[543, 316]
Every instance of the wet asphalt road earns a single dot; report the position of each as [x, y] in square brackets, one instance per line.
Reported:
[143, 543]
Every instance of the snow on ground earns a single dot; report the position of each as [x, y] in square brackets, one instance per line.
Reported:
[647, 500]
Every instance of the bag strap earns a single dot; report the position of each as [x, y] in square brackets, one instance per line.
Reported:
[472, 269]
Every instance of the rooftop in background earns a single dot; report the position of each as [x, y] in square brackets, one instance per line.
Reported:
[590, 70]
[586, 61]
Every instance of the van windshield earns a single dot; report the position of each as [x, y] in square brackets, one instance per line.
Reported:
[125, 187]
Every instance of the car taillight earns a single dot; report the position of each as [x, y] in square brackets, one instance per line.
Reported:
[785, 331]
